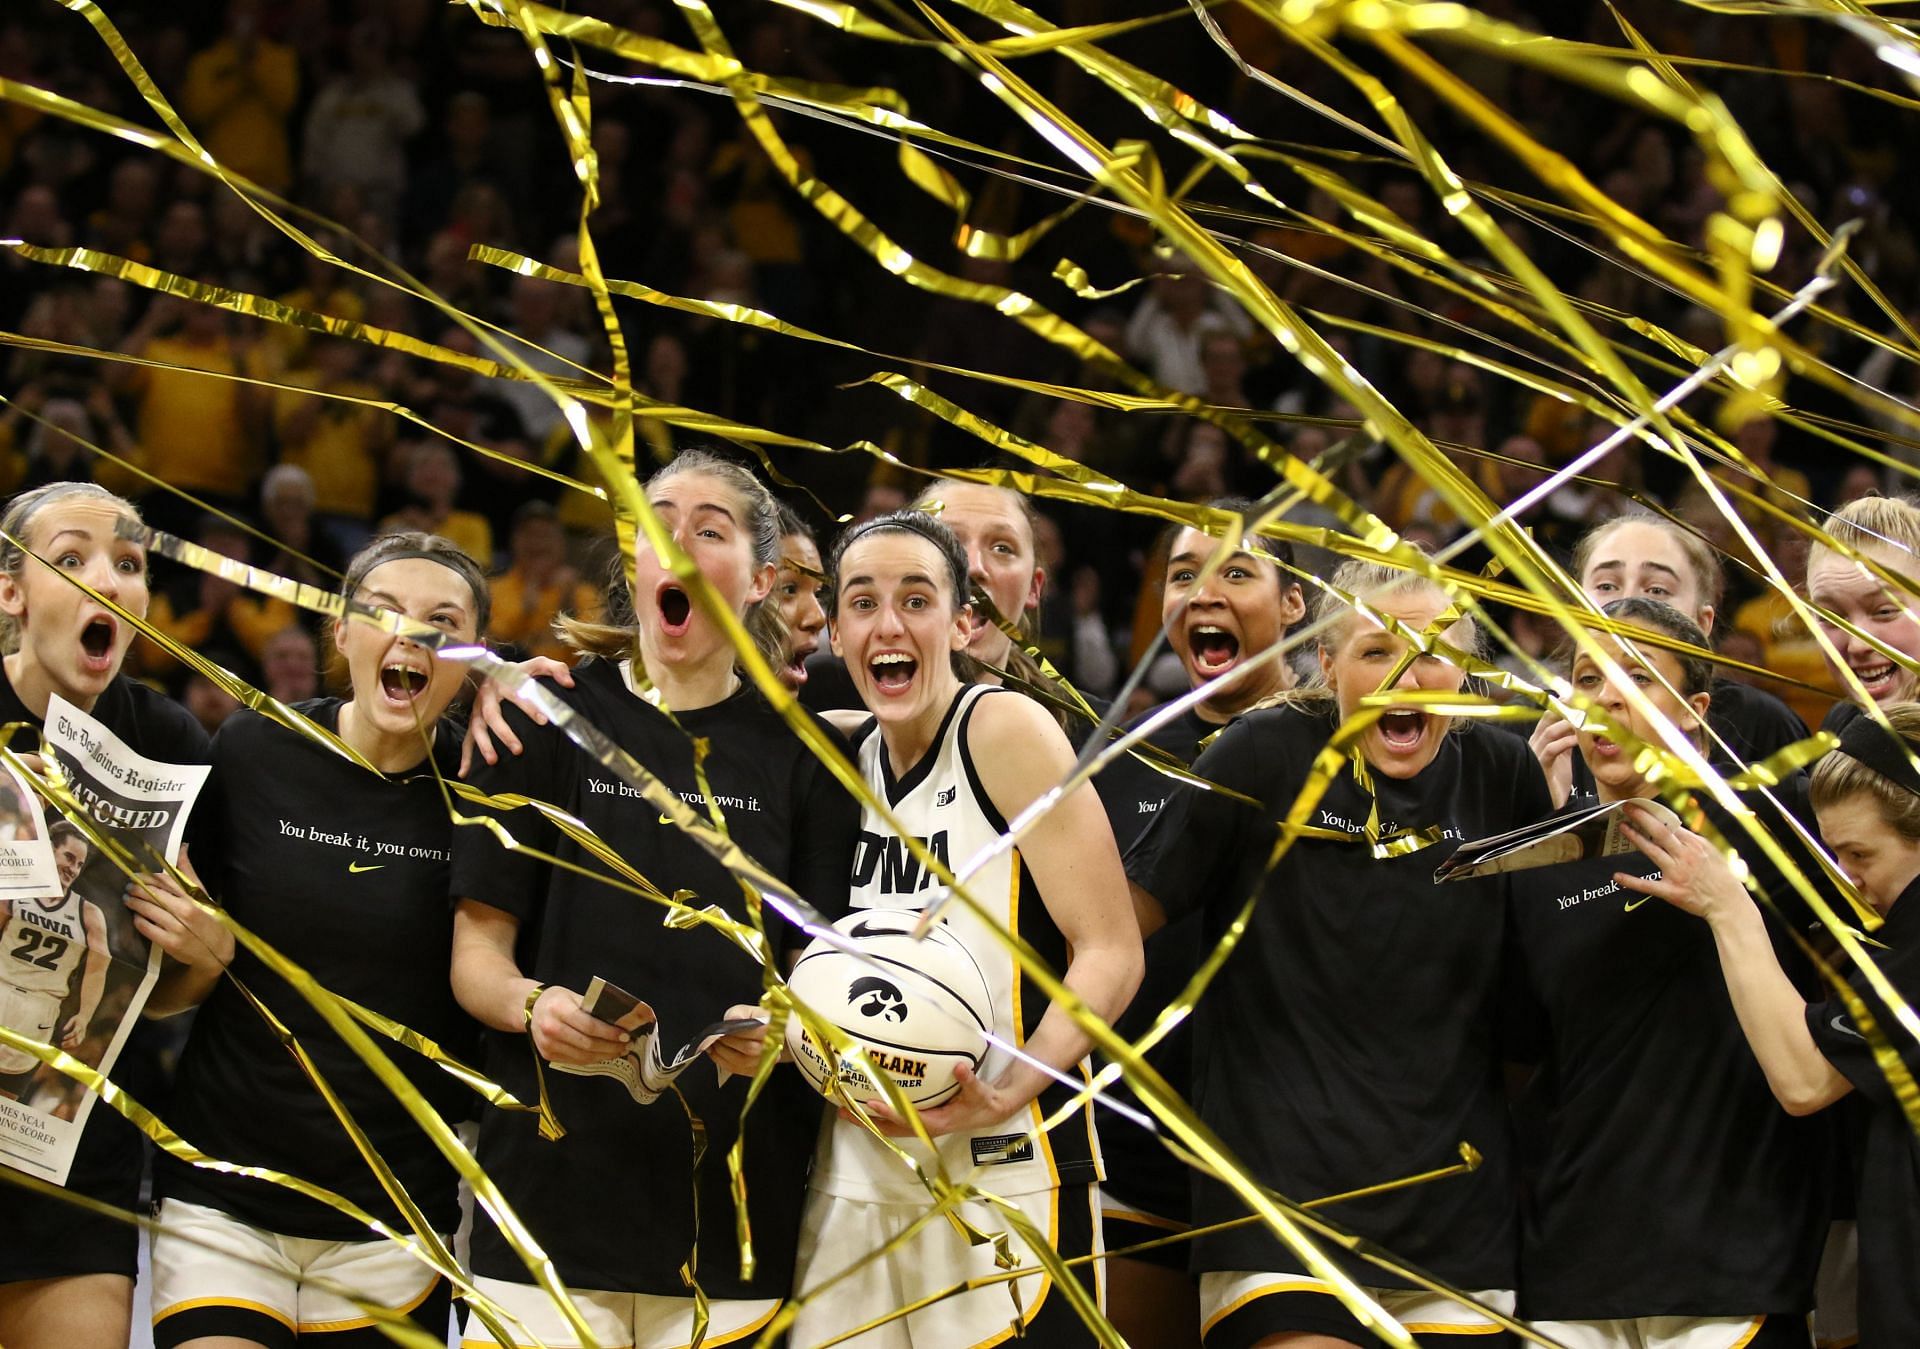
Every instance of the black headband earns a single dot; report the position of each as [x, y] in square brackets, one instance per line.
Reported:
[924, 526]
[440, 555]
[1867, 741]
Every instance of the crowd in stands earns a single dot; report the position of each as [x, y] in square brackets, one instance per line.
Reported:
[423, 132]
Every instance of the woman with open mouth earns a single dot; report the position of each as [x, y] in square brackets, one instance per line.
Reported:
[1883, 657]
[955, 761]
[1816, 1054]
[619, 1203]
[1352, 1034]
[1219, 619]
[1623, 1001]
[796, 590]
[66, 1275]
[344, 871]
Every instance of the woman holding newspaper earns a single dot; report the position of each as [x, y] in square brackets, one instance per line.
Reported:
[627, 1200]
[341, 867]
[1351, 1038]
[1618, 1007]
[66, 1275]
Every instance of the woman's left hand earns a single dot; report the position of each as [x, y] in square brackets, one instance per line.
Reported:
[1693, 875]
[979, 1105]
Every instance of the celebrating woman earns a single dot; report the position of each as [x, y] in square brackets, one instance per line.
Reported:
[1218, 620]
[961, 760]
[66, 1276]
[1351, 1038]
[1624, 1006]
[343, 871]
[629, 1199]
[1885, 530]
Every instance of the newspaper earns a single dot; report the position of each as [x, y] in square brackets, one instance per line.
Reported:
[1555, 841]
[28, 869]
[643, 1070]
[74, 973]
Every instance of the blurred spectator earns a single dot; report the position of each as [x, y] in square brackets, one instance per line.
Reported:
[195, 431]
[124, 223]
[210, 704]
[359, 125]
[53, 449]
[432, 478]
[465, 408]
[202, 611]
[239, 95]
[537, 587]
[1181, 310]
[287, 509]
[290, 666]
[340, 442]
[534, 308]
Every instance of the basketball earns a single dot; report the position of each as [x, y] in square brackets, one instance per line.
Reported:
[918, 1008]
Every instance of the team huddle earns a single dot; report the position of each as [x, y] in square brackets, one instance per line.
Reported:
[1682, 1132]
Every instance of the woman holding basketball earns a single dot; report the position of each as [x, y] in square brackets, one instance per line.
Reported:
[1218, 620]
[66, 1275]
[1815, 1054]
[955, 761]
[623, 1203]
[1622, 1003]
[344, 871]
[1351, 1038]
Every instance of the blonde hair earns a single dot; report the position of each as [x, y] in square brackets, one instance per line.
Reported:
[1874, 523]
[1369, 583]
[618, 637]
[18, 518]
[1838, 776]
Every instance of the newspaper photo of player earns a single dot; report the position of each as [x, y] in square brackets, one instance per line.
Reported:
[52, 954]
[74, 972]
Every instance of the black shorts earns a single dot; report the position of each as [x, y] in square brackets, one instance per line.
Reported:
[50, 1238]
[1124, 1225]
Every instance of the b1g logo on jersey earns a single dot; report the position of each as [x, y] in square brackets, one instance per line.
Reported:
[886, 856]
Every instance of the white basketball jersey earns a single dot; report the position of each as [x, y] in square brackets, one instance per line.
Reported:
[941, 802]
[41, 947]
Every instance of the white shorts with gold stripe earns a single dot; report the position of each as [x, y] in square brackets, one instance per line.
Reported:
[1242, 1306]
[837, 1235]
[207, 1263]
[1661, 1332]
[617, 1320]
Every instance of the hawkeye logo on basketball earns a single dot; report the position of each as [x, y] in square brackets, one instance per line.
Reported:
[898, 871]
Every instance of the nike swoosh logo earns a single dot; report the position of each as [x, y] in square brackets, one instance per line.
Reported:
[867, 929]
[1839, 1023]
[666, 819]
[354, 868]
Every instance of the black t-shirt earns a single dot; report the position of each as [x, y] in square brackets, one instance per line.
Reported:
[1351, 1037]
[345, 873]
[613, 1201]
[1139, 1169]
[1753, 722]
[1651, 1103]
[1885, 1148]
[108, 1161]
